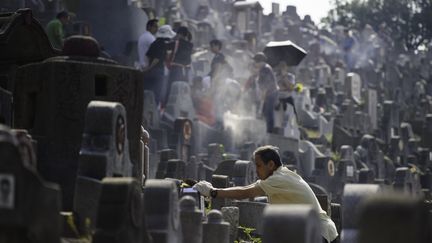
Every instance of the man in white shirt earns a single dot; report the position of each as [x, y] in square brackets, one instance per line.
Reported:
[278, 183]
[145, 40]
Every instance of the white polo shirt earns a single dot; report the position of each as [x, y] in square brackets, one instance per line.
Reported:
[286, 187]
[144, 42]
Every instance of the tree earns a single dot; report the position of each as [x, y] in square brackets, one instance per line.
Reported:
[409, 21]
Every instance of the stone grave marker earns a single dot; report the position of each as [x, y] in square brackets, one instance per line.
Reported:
[26, 146]
[162, 211]
[219, 181]
[121, 216]
[372, 101]
[191, 220]
[394, 219]
[180, 101]
[353, 85]
[104, 153]
[291, 223]
[243, 173]
[215, 154]
[175, 168]
[215, 229]
[251, 215]
[353, 196]
[62, 87]
[232, 216]
[29, 206]
[407, 182]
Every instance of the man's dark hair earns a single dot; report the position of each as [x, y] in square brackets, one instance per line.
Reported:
[268, 153]
[62, 14]
[151, 23]
[217, 43]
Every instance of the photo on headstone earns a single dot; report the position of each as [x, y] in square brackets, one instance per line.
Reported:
[7, 191]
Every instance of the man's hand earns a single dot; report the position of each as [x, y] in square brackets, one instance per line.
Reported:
[204, 187]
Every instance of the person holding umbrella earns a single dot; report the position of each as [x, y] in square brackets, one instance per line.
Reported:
[267, 87]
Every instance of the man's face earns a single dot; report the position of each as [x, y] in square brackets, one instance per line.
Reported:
[214, 48]
[154, 28]
[263, 170]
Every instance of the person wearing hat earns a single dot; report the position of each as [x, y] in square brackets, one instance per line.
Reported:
[267, 87]
[156, 54]
[54, 29]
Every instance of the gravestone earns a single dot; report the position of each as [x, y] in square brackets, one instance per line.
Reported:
[219, 181]
[29, 206]
[105, 147]
[62, 87]
[162, 211]
[291, 223]
[243, 173]
[23, 40]
[372, 101]
[232, 216]
[215, 229]
[165, 155]
[215, 154]
[121, 216]
[394, 219]
[225, 168]
[353, 196]
[353, 85]
[339, 78]
[175, 168]
[191, 220]
[407, 182]
[251, 215]
[5, 107]
[180, 101]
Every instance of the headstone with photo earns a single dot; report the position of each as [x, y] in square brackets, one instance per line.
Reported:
[29, 206]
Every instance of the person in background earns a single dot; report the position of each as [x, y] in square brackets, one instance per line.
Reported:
[179, 61]
[218, 59]
[145, 40]
[157, 53]
[278, 183]
[55, 31]
[267, 87]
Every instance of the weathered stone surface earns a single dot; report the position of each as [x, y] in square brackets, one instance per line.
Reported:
[29, 206]
[219, 181]
[215, 230]
[191, 220]
[243, 173]
[232, 216]
[291, 223]
[162, 211]
[52, 101]
[121, 216]
[394, 219]
[251, 215]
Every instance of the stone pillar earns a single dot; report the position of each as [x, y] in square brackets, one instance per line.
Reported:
[191, 220]
[219, 181]
[215, 230]
[232, 216]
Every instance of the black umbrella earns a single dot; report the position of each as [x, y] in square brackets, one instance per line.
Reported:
[287, 51]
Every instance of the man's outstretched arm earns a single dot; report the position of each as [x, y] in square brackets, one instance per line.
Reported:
[240, 192]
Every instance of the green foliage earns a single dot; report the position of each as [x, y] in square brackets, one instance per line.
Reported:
[248, 233]
[408, 22]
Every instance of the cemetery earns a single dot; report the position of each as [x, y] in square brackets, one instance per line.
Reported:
[88, 154]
